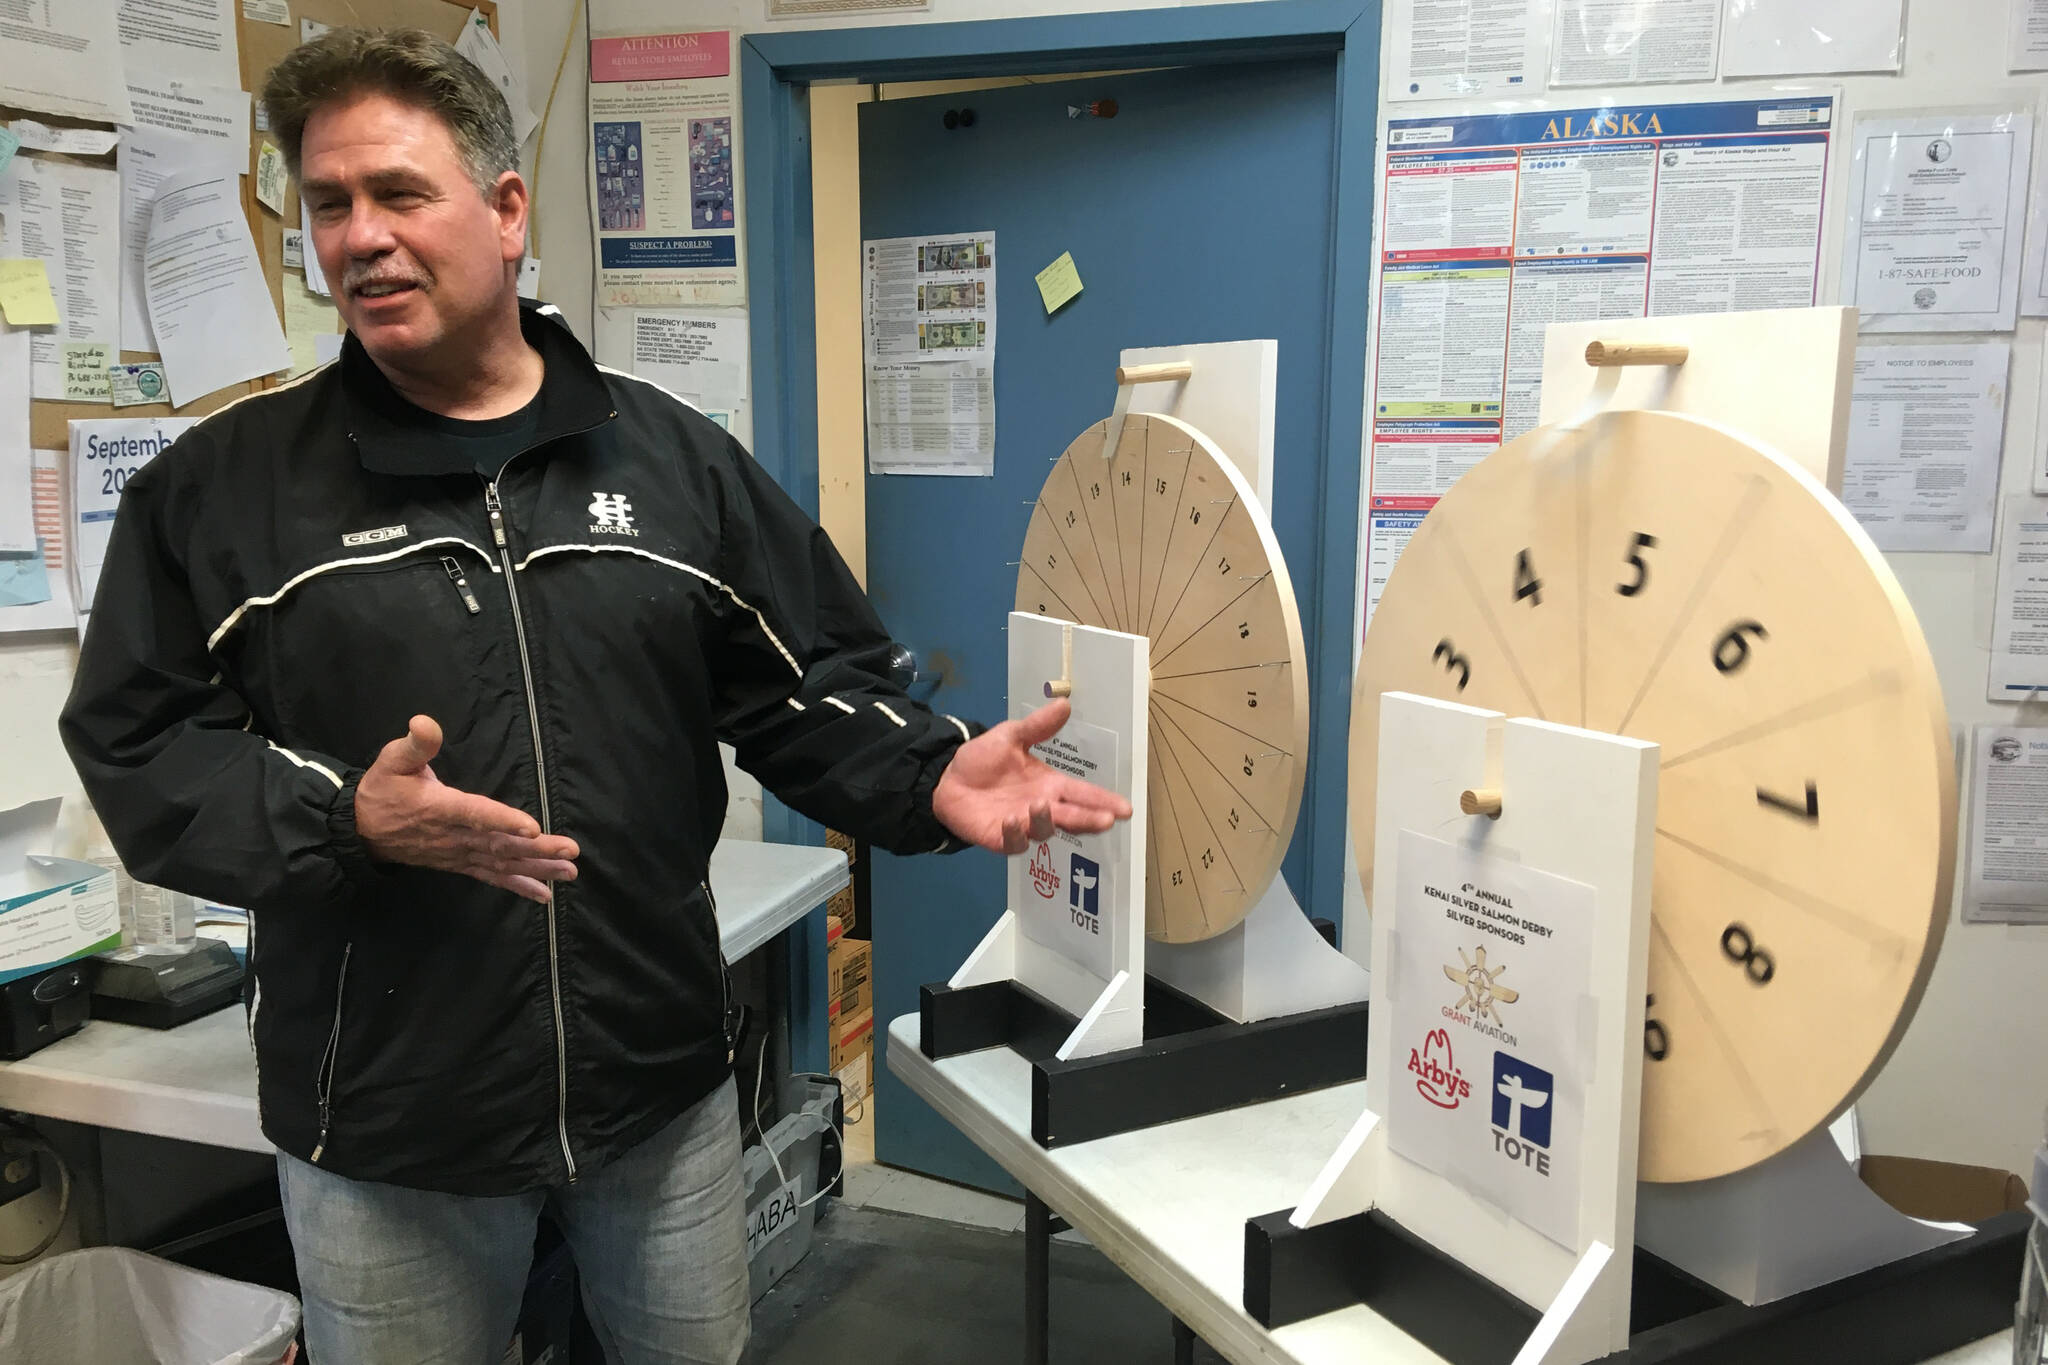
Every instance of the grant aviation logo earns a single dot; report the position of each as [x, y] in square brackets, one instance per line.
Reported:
[1482, 986]
[1437, 1078]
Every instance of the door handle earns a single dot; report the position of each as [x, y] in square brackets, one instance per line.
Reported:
[904, 672]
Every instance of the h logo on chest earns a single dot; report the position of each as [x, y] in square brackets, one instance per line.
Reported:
[614, 514]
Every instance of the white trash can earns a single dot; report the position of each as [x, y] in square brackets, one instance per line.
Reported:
[107, 1304]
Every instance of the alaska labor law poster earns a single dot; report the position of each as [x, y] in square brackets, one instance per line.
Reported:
[665, 170]
[1492, 968]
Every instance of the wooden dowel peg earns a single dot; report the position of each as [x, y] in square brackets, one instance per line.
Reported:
[1604, 353]
[1063, 685]
[1127, 375]
[1485, 801]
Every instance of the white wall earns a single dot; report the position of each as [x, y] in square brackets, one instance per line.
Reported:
[1968, 1083]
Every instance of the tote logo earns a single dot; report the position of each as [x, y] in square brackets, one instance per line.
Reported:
[1084, 882]
[1521, 1112]
[613, 513]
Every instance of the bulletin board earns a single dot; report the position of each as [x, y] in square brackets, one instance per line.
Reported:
[261, 46]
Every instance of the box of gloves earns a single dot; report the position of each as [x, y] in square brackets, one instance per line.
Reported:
[51, 909]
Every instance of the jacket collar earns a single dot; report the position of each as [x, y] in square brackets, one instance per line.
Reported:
[573, 396]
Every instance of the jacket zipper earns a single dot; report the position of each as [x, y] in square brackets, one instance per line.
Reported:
[327, 1059]
[461, 583]
[499, 539]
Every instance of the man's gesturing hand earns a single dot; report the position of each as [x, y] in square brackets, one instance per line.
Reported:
[405, 815]
[996, 795]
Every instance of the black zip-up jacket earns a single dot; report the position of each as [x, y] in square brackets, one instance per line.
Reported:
[304, 571]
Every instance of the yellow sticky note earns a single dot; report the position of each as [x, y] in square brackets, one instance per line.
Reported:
[1059, 282]
[25, 295]
[85, 372]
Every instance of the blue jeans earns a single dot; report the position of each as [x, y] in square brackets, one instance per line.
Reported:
[396, 1276]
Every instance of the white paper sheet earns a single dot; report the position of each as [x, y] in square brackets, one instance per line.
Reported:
[104, 455]
[479, 45]
[701, 356]
[17, 523]
[316, 278]
[2027, 43]
[2008, 877]
[2019, 632]
[215, 112]
[63, 57]
[1936, 205]
[41, 137]
[666, 172]
[209, 304]
[1491, 987]
[1634, 42]
[149, 157]
[54, 612]
[307, 318]
[928, 299]
[1812, 37]
[931, 419]
[1441, 49]
[2034, 270]
[191, 40]
[1926, 425]
[71, 222]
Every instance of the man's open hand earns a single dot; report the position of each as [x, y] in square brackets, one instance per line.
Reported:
[404, 814]
[996, 795]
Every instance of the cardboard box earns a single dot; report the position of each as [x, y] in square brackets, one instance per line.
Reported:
[849, 987]
[853, 1054]
[844, 907]
[1942, 1191]
[845, 843]
[51, 909]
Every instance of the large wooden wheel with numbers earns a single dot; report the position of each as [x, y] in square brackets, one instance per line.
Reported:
[1658, 576]
[1164, 538]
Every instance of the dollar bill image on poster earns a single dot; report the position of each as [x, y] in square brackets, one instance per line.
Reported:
[1491, 1009]
[1062, 885]
[1493, 226]
[665, 170]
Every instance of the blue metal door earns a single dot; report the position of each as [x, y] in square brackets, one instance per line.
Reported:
[1201, 211]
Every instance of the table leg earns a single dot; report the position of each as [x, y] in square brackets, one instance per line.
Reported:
[1183, 1343]
[1037, 1276]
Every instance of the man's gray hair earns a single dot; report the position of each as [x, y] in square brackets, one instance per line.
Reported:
[407, 64]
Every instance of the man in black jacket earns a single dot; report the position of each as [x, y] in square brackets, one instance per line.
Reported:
[424, 658]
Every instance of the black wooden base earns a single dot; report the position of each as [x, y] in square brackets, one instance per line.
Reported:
[1897, 1314]
[1193, 1061]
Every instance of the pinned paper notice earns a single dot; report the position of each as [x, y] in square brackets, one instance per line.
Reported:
[85, 371]
[1059, 282]
[270, 178]
[267, 11]
[294, 249]
[134, 385]
[25, 295]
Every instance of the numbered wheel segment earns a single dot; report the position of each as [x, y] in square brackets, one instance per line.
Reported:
[1657, 576]
[1166, 540]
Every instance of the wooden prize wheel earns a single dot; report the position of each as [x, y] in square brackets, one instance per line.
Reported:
[1658, 576]
[1163, 537]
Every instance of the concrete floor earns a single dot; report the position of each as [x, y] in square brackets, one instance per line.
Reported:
[888, 1288]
